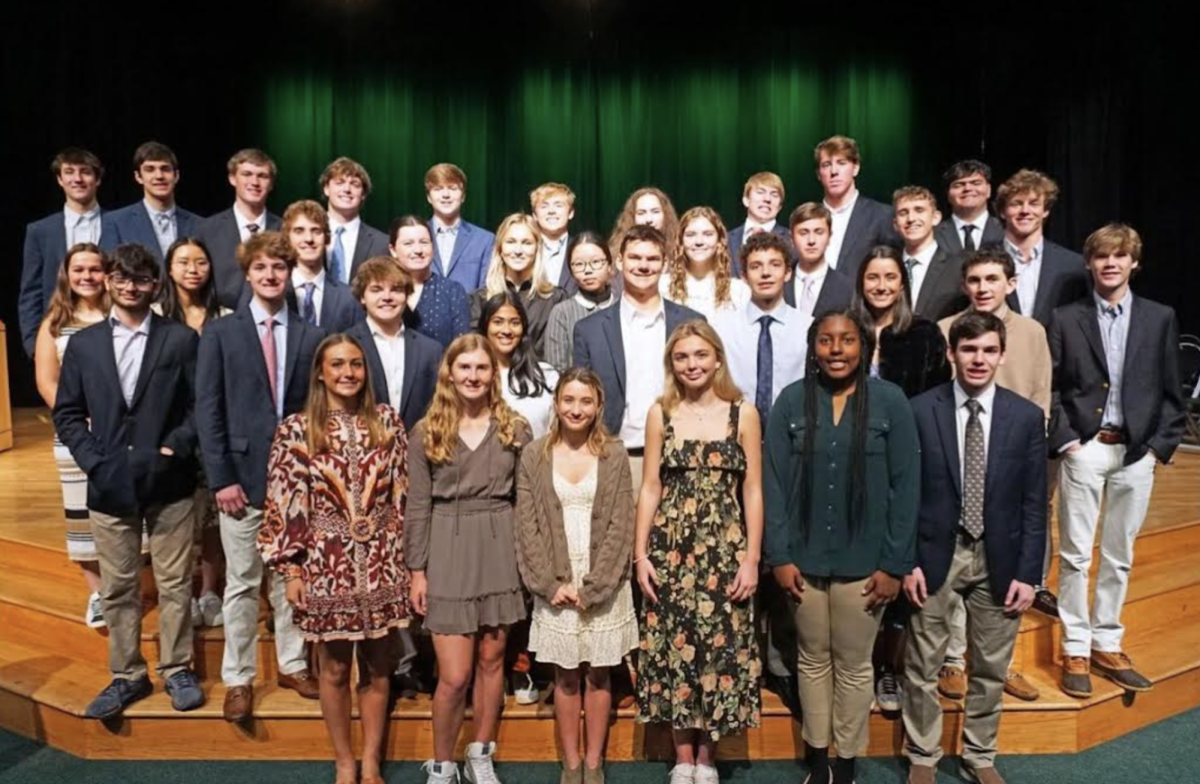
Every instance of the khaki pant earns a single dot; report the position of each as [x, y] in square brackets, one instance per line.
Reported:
[119, 548]
[991, 636]
[833, 663]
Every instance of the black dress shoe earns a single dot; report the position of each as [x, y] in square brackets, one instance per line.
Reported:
[1046, 603]
[784, 686]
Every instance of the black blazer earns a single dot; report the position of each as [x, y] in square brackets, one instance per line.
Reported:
[837, 292]
[914, 360]
[1064, 278]
[235, 415]
[947, 236]
[941, 289]
[119, 451]
[422, 356]
[1014, 503]
[871, 224]
[598, 345]
[1151, 389]
[371, 242]
[220, 233]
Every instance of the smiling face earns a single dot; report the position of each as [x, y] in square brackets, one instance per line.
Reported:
[252, 183]
[968, 196]
[641, 267]
[883, 279]
[648, 211]
[447, 201]
[577, 406]
[700, 240]
[552, 214]
[190, 268]
[384, 301]
[85, 275]
[694, 362]
[763, 203]
[268, 278]
[836, 173]
[504, 330]
[345, 194]
[518, 251]
[472, 373]
[766, 273]
[131, 292]
[309, 239]
[1025, 214]
[976, 361]
[344, 373]
[413, 248]
[915, 219]
[79, 183]
[590, 268]
[838, 347]
[987, 285]
[1111, 272]
[158, 179]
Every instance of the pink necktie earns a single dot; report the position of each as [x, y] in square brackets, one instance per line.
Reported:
[268, 347]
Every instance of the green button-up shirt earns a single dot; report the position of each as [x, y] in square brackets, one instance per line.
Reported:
[886, 538]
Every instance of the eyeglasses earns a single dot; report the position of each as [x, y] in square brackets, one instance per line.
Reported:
[589, 266]
[143, 282]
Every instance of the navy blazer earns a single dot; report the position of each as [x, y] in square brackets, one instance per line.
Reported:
[871, 224]
[1014, 501]
[941, 289]
[220, 233]
[45, 251]
[1064, 278]
[947, 236]
[472, 255]
[422, 356]
[119, 449]
[371, 243]
[132, 224]
[837, 292]
[736, 237]
[235, 415]
[597, 344]
[339, 309]
[1151, 387]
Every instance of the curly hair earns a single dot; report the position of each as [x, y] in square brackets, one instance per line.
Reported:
[722, 264]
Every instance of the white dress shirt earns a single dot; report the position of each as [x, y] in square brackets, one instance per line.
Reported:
[129, 348]
[923, 259]
[702, 294]
[299, 281]
[81, 226]
[986, 399]
[281, 329]
[391, 356]
[739, 331]
[349, 242]
[1028, 273]
[980, 223]
[837, 233]
[802, 279]
[243, 222]
[644, 338]
[751, 226]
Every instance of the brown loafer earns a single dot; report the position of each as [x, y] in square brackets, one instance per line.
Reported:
[1016, 685]
[238, 703]
[302, 682]
[952, 682]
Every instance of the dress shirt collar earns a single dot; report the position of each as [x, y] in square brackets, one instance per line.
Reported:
[300, 279]
[260, 314]
[782, 313]
[816, 276]
[1122, 307]
[72, 217]
[441, 227]
[925, 255]
[378, 332]
[592, 303]
[985, 398]
[554, 247]
[752, 224]
[1019, 257]
[631, 315]
[153, 211]
[846, 207]
[142, 328]
[350, 226]
[980, 223]
[244, 221]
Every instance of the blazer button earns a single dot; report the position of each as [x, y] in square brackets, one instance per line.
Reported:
[1099, 410]
[131, 447]
[1105, 385]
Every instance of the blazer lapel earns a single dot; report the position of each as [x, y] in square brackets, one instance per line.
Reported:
[410, 368]
[1090, 326]
[259, 362]
[996, 440]
[108, 361]
[616, 346]
[948, 431]
[1132, 338]
[154, 342]
[858, 216]
[933, 276]
[460, 244]
[296, 329]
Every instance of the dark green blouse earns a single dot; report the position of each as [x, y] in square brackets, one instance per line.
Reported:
[886, 539]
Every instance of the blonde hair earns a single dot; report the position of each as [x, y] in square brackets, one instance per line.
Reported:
[765, 179]
[837, 145]
[496, 281]
[316, 409]
[626, 221]
[722, 383]
[1117, 238]
[598, 437]
[441, 422]
[548, 189]
[441, 174]
[1027, 181]
[722, 266]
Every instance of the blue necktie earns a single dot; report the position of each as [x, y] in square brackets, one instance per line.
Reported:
[337, 261]
[308, 309]
[765, 383]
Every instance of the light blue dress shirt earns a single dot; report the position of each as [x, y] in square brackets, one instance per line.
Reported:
[1114, 331]
[129, 348]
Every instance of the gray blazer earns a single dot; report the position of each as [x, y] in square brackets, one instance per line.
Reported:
[541, 536]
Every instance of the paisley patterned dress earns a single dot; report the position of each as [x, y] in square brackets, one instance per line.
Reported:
[698, 662]
[337, 519]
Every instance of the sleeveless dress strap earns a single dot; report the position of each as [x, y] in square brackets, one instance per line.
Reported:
[734, 410]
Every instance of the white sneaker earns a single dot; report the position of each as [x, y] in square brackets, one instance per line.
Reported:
[440, 772]
[683, 774]
[887, 692]
[706, 774]
[211, 610]
[94, 617]
[524, 690]
[477, 768]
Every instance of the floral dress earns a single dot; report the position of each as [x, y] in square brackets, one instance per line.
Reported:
[337, 520]
[698, 662]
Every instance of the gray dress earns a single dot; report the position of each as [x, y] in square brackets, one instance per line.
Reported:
[459, 529]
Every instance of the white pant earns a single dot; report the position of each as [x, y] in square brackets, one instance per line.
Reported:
[243, 580]
[1093, 474]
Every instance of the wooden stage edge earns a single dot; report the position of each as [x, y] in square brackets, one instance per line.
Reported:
[51, 664]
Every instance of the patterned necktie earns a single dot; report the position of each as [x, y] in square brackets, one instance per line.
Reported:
[337, 260]
[308, 308]
[974, 471]
[164, 232]
[806, 303]
[968, 240]
[765, 383]
[269, 356]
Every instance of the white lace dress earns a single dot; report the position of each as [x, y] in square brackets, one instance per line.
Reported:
[600, 635]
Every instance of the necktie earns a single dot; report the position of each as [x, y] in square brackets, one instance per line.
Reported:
[268, 349]
[806, 303]
[337, 261]
[974, 471]
[968, 240]
[308, 309]
[911, 265]
[765, 382]
[164, 232]
[252, 228]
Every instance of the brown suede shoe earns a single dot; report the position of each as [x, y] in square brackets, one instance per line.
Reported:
[988, 775]
[1016, 685]
[238, 703]
[952, 682]
[1075, 679]
[922, 774]
[1117, 667]
[302, 683]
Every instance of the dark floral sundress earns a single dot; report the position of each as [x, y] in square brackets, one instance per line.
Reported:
[698, 664]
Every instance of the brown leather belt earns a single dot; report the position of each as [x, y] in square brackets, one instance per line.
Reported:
[1110, 436]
